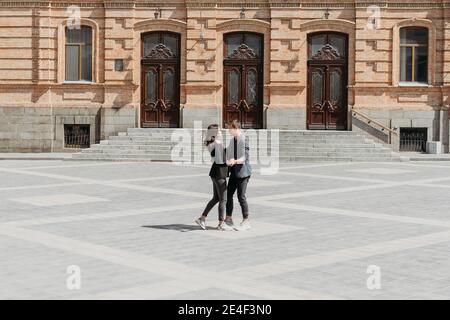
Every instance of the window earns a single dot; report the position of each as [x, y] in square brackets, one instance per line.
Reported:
[79, 54]
[414, 54]
[77, 136]
[317, 42]
[413, 139]
[167, 41]
[234, 41]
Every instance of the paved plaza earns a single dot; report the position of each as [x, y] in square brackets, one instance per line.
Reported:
[320, 231]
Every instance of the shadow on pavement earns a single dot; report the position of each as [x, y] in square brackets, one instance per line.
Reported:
[178, 227]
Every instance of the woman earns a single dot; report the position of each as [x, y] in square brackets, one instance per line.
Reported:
[218, 174]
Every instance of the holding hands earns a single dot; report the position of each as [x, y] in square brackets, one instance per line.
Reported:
[231, 162]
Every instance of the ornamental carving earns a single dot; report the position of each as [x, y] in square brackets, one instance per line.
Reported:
[243, 52]
[326, 53]
[160, 52]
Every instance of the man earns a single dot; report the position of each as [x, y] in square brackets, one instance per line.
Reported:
[240, 172]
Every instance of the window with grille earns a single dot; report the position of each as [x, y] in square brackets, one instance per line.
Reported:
[77, 136]
[413, 139]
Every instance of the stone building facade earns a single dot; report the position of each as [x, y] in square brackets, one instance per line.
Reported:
[378, 67]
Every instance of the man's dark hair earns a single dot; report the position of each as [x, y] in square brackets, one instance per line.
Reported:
[235, 124]
[213, 130]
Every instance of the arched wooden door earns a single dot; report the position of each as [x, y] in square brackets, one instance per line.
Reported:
[327, 81]
[160, 80]
[243, 79]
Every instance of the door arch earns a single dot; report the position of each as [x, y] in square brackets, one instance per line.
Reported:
[243, 79]
[160, 80]
[327, 81]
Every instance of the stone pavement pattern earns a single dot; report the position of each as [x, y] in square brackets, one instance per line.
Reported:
[316, 229]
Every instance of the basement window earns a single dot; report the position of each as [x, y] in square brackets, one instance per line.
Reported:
[413, 139]
[77, 136]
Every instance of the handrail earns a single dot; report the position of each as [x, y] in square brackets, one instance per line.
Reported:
[369, 120]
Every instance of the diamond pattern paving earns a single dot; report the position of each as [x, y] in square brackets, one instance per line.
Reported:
[317, 228]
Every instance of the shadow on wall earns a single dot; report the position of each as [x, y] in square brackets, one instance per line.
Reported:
[369, 130]
[98, 126]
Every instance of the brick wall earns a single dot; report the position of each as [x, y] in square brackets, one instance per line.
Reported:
[32, 64]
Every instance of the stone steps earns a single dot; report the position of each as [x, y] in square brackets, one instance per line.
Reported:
[160, 157]
[155, 158]
[138, 144]
[165, 131]
[322, 151]
[281, 141]
[340, 145]
[303, 146]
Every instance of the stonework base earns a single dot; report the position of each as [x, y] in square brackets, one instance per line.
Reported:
[285, 118]
[207, 116]
[434, 147]
[41, 129]
[400, 119]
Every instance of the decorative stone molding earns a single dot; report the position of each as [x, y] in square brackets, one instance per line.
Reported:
[61, 44]
[339, 4]
[243, 24]
[160, 24]
[328, 25]
[431, 48]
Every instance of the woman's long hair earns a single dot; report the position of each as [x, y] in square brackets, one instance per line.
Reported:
[211, 134]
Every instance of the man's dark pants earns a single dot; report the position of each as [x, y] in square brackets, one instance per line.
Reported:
[239, 184]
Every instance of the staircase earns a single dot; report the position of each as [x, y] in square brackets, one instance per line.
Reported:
[294, 145]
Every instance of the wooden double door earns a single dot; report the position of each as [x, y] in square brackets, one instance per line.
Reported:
[243, 80]
[327, 82]
[160, 80]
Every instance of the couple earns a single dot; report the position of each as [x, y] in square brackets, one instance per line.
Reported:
[232, 162]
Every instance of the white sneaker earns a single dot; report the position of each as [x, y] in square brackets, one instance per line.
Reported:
[224, 227]
[244, 226]
[201, 223]
[229, 223]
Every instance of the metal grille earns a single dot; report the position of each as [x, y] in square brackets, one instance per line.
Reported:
[413, 139]
[76, 136]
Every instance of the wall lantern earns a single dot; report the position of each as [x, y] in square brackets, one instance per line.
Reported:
[158, 13]
[242, 14]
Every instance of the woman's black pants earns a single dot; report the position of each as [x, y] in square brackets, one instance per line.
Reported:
[220, 196]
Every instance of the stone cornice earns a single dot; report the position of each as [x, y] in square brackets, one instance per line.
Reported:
[307, 4]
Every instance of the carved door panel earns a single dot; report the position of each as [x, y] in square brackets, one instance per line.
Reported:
[327, 82]
[317, 107]
[243, 80]
[336, 91]
[160, 94]
[242, 100]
